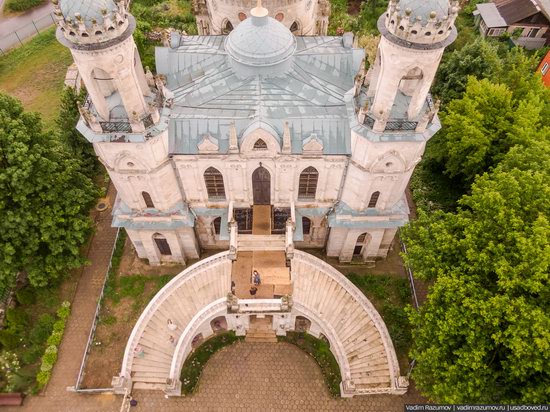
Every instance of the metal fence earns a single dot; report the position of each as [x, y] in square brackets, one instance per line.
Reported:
[19, 36]
[80, 377]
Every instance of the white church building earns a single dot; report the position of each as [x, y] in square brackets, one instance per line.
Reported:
[260, 141]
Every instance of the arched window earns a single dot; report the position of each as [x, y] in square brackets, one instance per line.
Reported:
[227, 27]
[260, 145]
[374, 199]
[308, 183]
[162, 244]
[147, 199]
[306, 225]
[217, 223]
[294, 27]
[213, 180]
[359, 244]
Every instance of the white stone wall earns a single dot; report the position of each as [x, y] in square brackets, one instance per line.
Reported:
[393, 62]
[379, 166]
[303, 12]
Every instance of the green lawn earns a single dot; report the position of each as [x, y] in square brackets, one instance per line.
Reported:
[34, 73]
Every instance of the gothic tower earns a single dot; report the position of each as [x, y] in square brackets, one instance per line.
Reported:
[394, 116]
[126, 119]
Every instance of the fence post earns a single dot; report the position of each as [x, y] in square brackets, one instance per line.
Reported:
[16, 35]
[36, 28]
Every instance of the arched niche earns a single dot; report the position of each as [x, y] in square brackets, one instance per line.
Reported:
[249, 144]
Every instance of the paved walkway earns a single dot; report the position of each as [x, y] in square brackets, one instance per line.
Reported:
[266, 377]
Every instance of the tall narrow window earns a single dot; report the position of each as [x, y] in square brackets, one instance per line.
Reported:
[306, 225]
[217, 223]
[359, 244]
[308, 183]
[227, 27]
[148, 201]
[214, 184]
[294, 27]
[374, 199]
[162, 244]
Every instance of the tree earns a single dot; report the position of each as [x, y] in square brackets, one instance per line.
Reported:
[68, 118]
[479, 59]
[483, 335]
[44, 200]
[481, 127]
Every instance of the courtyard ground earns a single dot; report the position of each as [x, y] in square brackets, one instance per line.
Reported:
[34, 73]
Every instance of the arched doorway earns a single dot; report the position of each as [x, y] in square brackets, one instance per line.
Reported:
[261, 186]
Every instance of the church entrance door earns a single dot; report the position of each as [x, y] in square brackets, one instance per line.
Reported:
[261, 186]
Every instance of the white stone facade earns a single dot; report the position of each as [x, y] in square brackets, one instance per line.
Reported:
[357, 202]
[302, 17]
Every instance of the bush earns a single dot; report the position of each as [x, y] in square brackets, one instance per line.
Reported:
[22, 5]
[9, 339]
[26, 296]
[50, 354]
[40, 332]
[17, 319]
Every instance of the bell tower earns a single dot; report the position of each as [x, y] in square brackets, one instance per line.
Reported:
[100, 39]
[414, 36]
[393, 116]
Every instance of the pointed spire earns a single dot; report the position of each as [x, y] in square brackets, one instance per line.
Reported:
[233, 142]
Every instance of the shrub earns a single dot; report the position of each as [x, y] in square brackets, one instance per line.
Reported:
[64, 311]
[22, 5]
[26, 296]
[40, 332]
[17, 318]
[43, 377]
[9, 339]
[55, 337]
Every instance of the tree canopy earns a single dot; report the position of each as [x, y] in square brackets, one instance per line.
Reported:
[491, 117]
[44, 199]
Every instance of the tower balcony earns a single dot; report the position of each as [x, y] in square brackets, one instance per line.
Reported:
[398, 119]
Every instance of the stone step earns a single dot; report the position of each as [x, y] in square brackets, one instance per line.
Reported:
[261, 339]
[149, 386]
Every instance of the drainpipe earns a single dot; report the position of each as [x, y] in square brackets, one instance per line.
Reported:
[340, 190]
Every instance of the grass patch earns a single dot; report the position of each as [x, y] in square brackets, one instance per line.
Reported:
[320, 351]
[21, 5]
[390, 295]
[34, 73]
[194, 365]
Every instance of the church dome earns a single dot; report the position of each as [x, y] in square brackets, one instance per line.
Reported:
[91, 21]
[89, 11]
[424, 9]
[260, 42]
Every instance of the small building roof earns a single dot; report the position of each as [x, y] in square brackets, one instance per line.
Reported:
[490, 15]
[513, 11]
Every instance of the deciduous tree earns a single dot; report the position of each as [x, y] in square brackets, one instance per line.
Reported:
[44, 200]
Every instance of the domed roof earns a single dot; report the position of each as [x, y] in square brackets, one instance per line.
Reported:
[90, 10]
[260, 41]
[423, 9]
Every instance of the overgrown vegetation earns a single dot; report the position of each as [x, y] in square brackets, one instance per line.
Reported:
[483, 334]
[194, 364]
[30, 328]
[319, 350]
[153, 17]
[21, 5]
[34, 73]
[364, 23]
[50, 354]
[390, 295]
